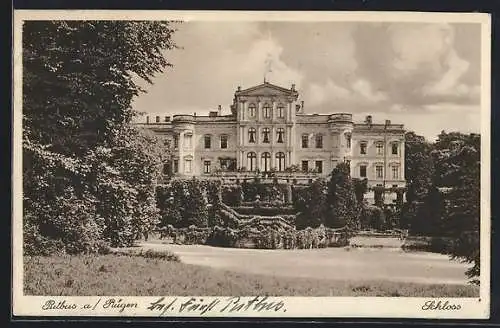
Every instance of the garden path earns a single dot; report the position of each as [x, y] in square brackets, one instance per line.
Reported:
[353, 264]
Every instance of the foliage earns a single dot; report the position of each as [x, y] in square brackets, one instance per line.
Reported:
[88, 177]
[360, 189]
[310, 202]
[443, 197]
[232, 195]
[79, 77]
[342, 207]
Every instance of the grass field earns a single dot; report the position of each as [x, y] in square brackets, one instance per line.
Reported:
[139, 275]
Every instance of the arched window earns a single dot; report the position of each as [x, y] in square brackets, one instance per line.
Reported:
[280, 159]
[251, 159]
[266, 161]
[281, 110]
[252, 109]
[265, 135]
[251, 135]
[267, 111]
[280, 132]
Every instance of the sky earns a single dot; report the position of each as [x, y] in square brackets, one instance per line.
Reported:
[423, 75]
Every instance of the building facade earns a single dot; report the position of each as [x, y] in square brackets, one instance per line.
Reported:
[268, 130]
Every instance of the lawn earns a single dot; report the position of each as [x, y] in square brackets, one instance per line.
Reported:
[129, 275]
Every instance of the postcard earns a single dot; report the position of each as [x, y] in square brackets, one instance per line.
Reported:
[251, 164]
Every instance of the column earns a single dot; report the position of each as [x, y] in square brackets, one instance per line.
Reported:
[402, 160]
[273, 110]
[259, 111]
[181, 153]
[273, 135]
[243, 111]
[257, 160]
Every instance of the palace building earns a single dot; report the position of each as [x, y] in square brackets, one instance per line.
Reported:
[269, 131]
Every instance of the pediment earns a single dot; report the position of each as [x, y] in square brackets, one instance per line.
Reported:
[266, 90]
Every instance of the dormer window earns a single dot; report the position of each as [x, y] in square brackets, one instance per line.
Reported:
[252, 110]
[267, 111]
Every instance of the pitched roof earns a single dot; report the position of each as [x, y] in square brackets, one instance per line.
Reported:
[263, 86]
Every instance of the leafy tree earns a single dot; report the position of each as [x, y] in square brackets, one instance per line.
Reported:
[341, 205]
[79, 77]
[89, 177]
[360, 189]
[310, 202]
[419, 173]
[460, 166]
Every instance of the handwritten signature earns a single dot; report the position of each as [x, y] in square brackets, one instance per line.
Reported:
[227, 305]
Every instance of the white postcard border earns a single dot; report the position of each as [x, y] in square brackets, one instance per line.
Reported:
[363, 307]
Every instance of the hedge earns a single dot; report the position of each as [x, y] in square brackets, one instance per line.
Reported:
[268, 211]
[269, 236]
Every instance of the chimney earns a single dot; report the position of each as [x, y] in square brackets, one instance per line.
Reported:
[297, 108]
[157, 119]
[220, 110]
[167, 118]
[293, 87]
[239, 88]
[147, 119]
[387, 122]
[368, 119]
[302, 106]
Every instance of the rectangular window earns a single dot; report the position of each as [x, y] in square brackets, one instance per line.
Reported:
[208, 142]
[188, 165]
[176, 165]
[362, 148]
[319, 166]
[334, 164]
[167, 168]
[223, 142]
[362, 171]
[305, 141]
[394, 148]
[188, 139]
[380, 148]
[206, 167]
[379, 170]
[176, 141]
[319, 141]
[395, 172]
[305, 166]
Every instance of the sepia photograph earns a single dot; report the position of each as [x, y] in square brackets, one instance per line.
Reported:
[251, 164]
